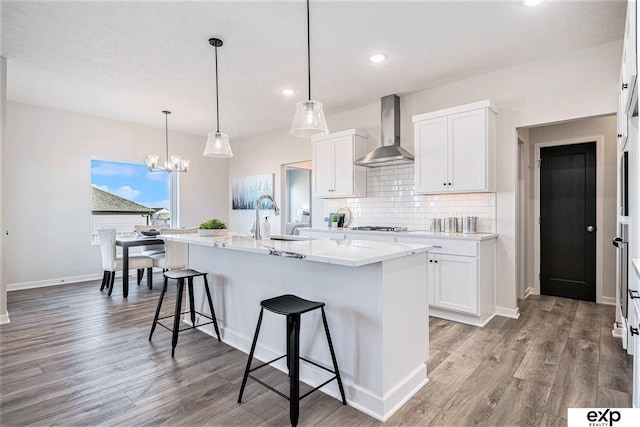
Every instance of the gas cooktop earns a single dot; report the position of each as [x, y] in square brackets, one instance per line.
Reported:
[379, 228]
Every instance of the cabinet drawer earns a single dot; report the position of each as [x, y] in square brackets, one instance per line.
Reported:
[444, 246]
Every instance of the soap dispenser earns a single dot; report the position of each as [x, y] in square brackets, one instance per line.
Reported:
[266, 228]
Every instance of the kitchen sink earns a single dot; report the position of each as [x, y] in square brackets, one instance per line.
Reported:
[289, 238]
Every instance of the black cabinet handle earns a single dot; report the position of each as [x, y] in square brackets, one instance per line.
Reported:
[449, 184]
[436, 261]
[634, 331]
[624, 85]
[430, 260]
[633, 294]
[619, 135]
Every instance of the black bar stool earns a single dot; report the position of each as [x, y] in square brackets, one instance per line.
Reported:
[180, 275]
[292, 307]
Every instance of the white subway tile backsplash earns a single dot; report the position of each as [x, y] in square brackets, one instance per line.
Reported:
[391, 200]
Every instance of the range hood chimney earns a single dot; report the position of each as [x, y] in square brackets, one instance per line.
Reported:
[390, 152]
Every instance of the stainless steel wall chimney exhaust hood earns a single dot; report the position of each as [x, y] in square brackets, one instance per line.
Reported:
[390, 152]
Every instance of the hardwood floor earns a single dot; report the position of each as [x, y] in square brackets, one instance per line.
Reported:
[74, 356]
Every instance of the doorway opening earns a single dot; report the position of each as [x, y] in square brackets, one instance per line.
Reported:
[602, 132]
[296, 190]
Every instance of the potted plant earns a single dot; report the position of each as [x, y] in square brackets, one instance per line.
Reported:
[334, 221]
[212, 227]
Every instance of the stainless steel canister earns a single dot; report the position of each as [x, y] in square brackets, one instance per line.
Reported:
[450, 225]
[470, 224]
[436, 225]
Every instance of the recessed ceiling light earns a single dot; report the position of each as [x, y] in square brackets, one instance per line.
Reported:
[532, 2]
[288, 92]
[378, 57]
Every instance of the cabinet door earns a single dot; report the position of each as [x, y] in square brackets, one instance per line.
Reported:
[323, 168]
[431, 155]
[636, 358]
[467, 154]
[343, 166]
[455, 283]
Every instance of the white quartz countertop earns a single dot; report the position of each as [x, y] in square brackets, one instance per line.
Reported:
[352, 253]
[414, 233]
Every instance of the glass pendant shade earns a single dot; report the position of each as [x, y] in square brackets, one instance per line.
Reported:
[309, 120]
[218, 145]
[151, 161]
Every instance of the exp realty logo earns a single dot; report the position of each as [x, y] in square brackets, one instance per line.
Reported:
[603, 417]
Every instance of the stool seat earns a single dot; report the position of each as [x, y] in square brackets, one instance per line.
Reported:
[290, 304]
[292, 307]
[183, 273]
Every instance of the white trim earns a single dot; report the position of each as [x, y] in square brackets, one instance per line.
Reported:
[61, 281]
[4, 319]
[599, 140]
[508, 312]
[528, 291]
[608, 300]
[457, 109]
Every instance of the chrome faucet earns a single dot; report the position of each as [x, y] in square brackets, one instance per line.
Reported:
[256, 225]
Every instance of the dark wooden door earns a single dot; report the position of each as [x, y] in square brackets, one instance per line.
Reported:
[568, 221]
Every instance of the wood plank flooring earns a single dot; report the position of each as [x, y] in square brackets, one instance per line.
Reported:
[74, 356]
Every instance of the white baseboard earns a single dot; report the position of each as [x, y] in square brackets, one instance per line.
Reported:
[528, 291]
[609, 300]
[512, 313]
[4, 319]
[61, 281]
[364, 400]
[52, 282]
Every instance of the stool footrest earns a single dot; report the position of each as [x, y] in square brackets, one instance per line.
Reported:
[184, 329]
[279, 392]
[267, 363]
[268, 386]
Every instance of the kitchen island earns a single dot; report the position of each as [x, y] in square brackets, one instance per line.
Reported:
[376, 306]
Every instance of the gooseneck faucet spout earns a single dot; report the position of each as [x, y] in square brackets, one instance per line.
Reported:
[256, 225]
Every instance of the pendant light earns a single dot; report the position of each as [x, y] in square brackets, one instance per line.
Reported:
[309, 118]
[217, 142]
[177, 164]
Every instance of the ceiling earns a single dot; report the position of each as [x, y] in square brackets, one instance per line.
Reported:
[131, 60]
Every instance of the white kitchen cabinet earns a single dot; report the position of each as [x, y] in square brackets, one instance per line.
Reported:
[453, 282]
[636, 355]
[628, 84]
[334, 174]
[461, 275]
[461, 271]
[454, 149]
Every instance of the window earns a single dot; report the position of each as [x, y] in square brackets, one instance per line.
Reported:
[126, 194]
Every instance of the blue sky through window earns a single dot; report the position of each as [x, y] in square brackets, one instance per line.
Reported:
[132, 181]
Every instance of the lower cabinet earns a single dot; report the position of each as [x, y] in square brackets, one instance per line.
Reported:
[453, 283]
[461, 272]
[636, 356]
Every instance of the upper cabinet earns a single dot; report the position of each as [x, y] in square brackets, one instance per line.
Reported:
[628, 90]
[334, 174]
[454, 149]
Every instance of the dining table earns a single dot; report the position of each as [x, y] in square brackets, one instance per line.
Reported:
[128, 242]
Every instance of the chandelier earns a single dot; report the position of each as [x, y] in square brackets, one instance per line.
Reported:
[174, 163]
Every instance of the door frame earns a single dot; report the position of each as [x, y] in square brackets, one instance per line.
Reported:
[599, 140]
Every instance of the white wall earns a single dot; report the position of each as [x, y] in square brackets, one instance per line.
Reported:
[47, 187]
[607, 128]
[575, 85]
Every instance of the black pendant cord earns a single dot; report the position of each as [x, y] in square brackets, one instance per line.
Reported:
[308, 51]
[217, 105]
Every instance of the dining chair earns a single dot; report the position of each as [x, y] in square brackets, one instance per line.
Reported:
[175, 254]
[149, 249]
[112, 263]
